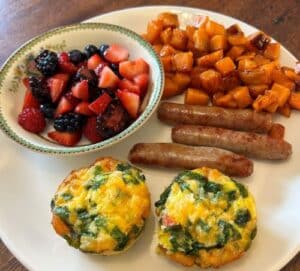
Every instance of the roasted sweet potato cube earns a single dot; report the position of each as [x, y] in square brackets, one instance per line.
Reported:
[170, 88]
[179, 39]
[157, 48]
[258, 41]
[234, 30]
[279, 77]
[256, 90]
[211, 81]
[277, 131]
[225, 65]
[226, 101]
[195, 76]
[254, 77]
[261, 60]
[167, 50]
[283, 93]
[213, 28]
[201, 40]
[169, 19]
[235, 52]
[166, 35]
[230, 81]
[196, 97]
[285, 110]
[267, 102]
[290, 73]
[167, 62]
[247, 64]
[218, 42]
[294, 100]
[154, 29]
[182, 80]
[190, 30]
[246, 55]
[268, 68]
[183, 62]
[241, 96]
[272, 51]
[210, 59]
[237, 40]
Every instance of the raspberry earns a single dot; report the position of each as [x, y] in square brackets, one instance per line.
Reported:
[32, 120]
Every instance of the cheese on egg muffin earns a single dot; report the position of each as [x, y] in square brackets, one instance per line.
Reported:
[102, 208]
[205, 218]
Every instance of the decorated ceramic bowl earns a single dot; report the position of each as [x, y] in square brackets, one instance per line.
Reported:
[17, 67]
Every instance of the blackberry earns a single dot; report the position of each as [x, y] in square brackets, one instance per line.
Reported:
[48, 110]
[102, 49]
[115, 68]
[39, 89]
[90, 50]
[70, 122]
[76, 56]
[47, 62]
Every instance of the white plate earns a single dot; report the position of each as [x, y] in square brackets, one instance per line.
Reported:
[28, 181]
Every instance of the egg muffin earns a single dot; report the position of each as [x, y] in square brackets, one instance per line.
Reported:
[205, 218]
[102, 208]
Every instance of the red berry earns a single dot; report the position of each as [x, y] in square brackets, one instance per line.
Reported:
[142, 81]
[65, 138]
[83, 109]
[73, 100]
[30, 100]
[100, 104]
[115, 53]
[130, 69]
[94, 61]
[65, 65]
[32, 120]
[81, 90]
[63, 107]
[130, 101]
[108, 79]
[130, 86]
[90, 131]
[56, 87]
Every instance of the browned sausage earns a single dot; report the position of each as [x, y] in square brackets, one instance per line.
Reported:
[246, 143]
[236, 119]
[172, 155]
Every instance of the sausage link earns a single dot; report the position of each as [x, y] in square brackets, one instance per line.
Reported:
[245, 143]
[236, 119]
[172, 155]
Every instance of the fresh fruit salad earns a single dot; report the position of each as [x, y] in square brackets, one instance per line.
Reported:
[96, 93]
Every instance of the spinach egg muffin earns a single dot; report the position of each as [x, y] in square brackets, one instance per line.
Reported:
[102, 208]
[205, 218]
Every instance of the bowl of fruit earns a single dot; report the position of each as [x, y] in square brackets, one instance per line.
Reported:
[79, 88]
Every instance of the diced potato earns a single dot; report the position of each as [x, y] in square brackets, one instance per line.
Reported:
[294, 100]
[267, 102]
[157, 48]
[225, 65]
[247, 55]
[169, 19]
[254, 77]
[213, 28]
[196, 97]
[210, 59]
[234, 30]
[258, 41]
[167, 50]
[211, 80]
[201, 40]
[231, 81]
[190, 46]
[256, 90]
[277, 131]
[195, 76]
[247, 64]
[285, 110]
[235, 52]
[166, 35]
[261, 60]
[183, 62]
[170, 88]
[226, 101]
[279, 77]
[167, 62]
[268, 68]
[154, 29]
[241, 96]
[272, 51]
[290, 73]
[182, 80]
[283, 93]
[179, 39]
[190, 30]
[238, 40]
[218, 42]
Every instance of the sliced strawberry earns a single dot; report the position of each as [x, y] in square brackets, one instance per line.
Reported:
[65, 65]
[30, 101]
[100, 104]
[115, 53]
[142, 81]
[62, 76]
[26, 82]
[56, 87]
[108, 79]
[130, 86]
[83, 108]
[65, 138]
[130, 69]
[73, 100]
[100, 67]
[81, 90]
[130, 101]
[64, 106]
[94, 61]
[90, 130]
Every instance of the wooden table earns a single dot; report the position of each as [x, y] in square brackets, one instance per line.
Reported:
[23, 19]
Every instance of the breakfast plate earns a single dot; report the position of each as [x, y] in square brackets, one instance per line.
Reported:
[28, 181]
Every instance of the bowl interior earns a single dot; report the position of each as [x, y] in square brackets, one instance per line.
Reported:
[64, 39]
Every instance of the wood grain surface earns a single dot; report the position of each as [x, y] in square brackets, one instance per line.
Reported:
[24, 19]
